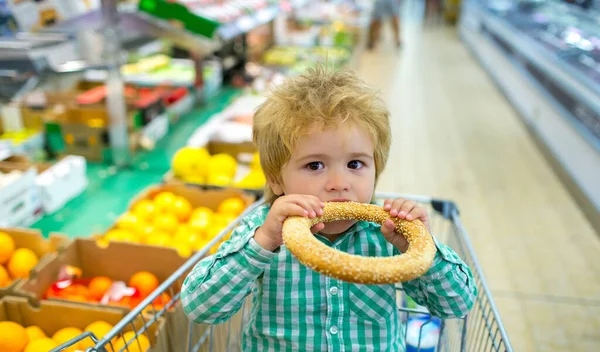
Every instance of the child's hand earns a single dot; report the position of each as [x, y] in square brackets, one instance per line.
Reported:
[268, 235]
[403, 209]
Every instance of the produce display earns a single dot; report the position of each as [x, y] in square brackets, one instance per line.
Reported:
[17, 338]
[15, 263]
[197, 166]
[103, 290]
[289, 56]
[171, 221]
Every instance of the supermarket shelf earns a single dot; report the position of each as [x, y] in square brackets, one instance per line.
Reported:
[80, 217]
[560, 110]
[132, 24]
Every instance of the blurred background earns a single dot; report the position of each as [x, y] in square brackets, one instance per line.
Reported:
[125, 150]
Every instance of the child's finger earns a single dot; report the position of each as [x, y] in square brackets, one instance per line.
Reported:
[406, 208]
[318, 227]
[293, 209]
[397, 206]
[307, 204]
[387, 204]
[416, 213]
[387, 228]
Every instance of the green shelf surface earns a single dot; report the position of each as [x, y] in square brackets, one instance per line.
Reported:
[110, 189]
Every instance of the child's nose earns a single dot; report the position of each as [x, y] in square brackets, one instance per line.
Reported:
[337, 182]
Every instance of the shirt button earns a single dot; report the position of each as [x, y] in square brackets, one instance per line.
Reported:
[333, 290]
[333, 330]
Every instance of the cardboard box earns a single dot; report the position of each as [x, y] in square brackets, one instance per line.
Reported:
[44, 249]
[57, 183]
[20, 201]
[53, 316]
[118, 261]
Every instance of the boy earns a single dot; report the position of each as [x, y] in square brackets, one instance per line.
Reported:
[322, 137]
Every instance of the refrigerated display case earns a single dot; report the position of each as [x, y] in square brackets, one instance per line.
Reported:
[545, 57]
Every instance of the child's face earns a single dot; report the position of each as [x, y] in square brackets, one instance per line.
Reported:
[333, 165]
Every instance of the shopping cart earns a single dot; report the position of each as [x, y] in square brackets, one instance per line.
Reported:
[171, 331]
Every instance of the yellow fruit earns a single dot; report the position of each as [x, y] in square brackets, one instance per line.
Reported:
[255, 163]
[4, 278]
[160, 239]
[199, 245]
[183, 249]
[43, 344]
[200, 224]
[13, 337]
[189, 161]
[99, 329]
[7, 247]
[233, 205]
[166, 222]
[121, 235]
[182, 209]
[129, 221]
[145, 231]
[67, 334]
[34, 333]
[218, 180]
[186, 235]
[255, 179]
[222, 164]
[21, 263]
[141, 345]
[194, 179]
[164, 201]
[201, 212]
[145, 209]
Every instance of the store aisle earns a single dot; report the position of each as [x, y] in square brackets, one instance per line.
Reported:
[455, 136]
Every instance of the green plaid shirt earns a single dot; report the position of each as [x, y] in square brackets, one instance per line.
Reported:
[297, 309]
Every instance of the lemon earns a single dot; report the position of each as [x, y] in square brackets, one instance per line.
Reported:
[189, 161]
[218, 180]
[222, 164]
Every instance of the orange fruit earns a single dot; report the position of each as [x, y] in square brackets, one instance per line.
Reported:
[98, 287]
[99, 329]
[137, 344]
[233, 205]
[166, 222]
[164, 201]
[43, 344]
[145, 210]
[160, 239]
[4, 278]
[67, 334]
[13, 337]
[145, 282]
[7, 247]
[34, 332]
[129, 221]
[21, 263]
[182, 209]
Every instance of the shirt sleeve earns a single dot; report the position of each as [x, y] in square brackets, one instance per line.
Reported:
[216, 287]
[447, 289]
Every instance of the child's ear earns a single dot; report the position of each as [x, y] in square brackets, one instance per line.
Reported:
[276, 186]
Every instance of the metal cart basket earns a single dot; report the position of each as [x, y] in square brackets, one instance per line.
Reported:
[169, 329]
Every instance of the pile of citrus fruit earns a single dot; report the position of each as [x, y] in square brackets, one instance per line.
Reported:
[196, 165]
[102, 289]
[169, 220]
[16, 338]
[15, 263]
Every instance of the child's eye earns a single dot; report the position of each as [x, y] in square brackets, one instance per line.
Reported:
[315, 165]
[355, 164]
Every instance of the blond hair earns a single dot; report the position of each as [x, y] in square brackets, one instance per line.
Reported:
[320, 96]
